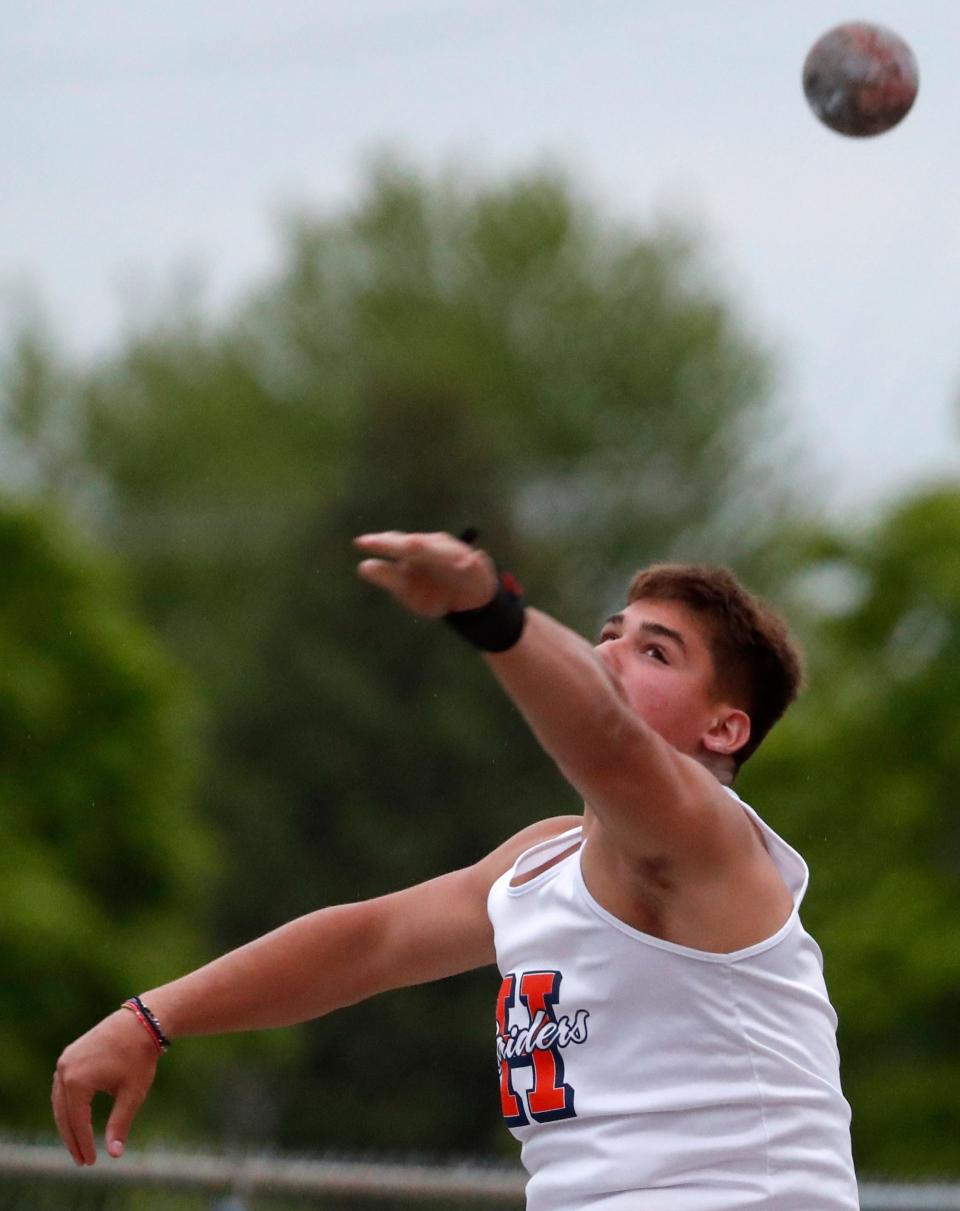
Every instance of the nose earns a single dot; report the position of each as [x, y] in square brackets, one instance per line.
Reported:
[607, 654]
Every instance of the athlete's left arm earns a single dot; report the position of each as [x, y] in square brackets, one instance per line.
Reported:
[652, 799]
[655, 801]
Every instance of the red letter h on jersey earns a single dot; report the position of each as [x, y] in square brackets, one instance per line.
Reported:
[550, 1098]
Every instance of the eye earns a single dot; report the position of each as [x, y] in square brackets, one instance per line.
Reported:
[656, 651]
[606, 635]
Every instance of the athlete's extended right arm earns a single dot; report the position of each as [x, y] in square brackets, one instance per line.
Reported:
[305, 969]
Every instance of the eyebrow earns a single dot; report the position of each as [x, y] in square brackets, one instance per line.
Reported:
[652, 628]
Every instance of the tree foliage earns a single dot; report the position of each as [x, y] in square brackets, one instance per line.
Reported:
[442, 354]
[102, 857]
[861, 776]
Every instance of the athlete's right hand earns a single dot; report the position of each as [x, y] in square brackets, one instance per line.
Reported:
[116, 1057]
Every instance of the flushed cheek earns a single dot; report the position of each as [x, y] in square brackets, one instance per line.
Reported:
[667, 712]
[654, 701]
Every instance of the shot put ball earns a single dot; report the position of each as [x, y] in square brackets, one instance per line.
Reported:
[860, 79]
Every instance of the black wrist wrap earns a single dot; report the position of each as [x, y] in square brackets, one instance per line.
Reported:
[496, 626]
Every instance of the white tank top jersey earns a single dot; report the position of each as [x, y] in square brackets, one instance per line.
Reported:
[640, 1075]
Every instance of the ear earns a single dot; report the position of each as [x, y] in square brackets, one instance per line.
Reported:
[729, 732]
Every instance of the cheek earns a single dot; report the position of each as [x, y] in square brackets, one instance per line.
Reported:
[656, 694]
[664, 702]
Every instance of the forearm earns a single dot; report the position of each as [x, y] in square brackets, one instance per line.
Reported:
[577, 708]
[570, 700]
[337, 956]
[304, 969]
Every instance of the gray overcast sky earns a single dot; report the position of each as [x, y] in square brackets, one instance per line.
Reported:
[142, 137]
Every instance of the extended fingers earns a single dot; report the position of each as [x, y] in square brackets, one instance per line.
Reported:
[126, 1104]
[395, 544]
[71, 1110]
[58, 1102]
[383, 574]
[389, 544]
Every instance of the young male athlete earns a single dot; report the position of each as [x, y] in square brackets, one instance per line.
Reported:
[664, 1036]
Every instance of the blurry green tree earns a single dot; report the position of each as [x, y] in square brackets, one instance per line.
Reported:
[444, 354]
[862, 776]
[103, 861]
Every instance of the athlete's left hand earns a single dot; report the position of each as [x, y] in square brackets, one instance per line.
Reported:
[429, 574]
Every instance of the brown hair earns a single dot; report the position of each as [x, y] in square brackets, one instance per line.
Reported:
[757, 665]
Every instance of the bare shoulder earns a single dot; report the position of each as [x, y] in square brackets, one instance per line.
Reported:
[704, 832]
[441, 927]
[713, 828]
[715, 887]
[490, 868]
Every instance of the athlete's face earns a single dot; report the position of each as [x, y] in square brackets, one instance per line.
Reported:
[659, 652]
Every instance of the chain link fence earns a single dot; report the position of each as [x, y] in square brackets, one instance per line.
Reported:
[43, 1178]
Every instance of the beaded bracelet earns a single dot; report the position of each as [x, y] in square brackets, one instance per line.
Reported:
[148, 1021]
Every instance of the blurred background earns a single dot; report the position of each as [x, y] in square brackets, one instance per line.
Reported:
[590, 278]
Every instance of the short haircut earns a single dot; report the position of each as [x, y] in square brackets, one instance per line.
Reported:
[757, 666]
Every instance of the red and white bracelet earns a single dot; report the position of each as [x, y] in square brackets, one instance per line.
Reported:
[148, 1021]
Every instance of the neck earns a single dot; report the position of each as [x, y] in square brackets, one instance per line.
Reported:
[722, 767]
